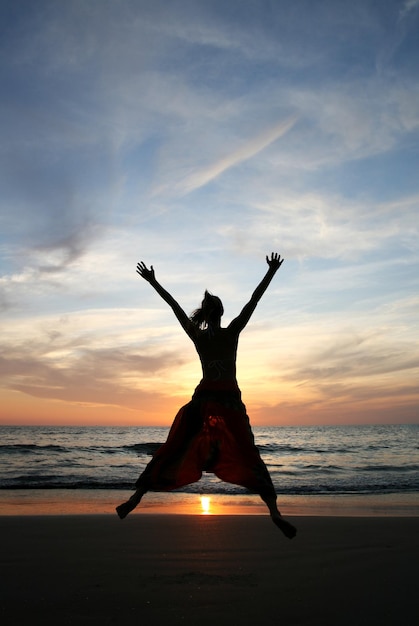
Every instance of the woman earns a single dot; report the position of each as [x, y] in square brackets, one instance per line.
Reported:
[212, 432]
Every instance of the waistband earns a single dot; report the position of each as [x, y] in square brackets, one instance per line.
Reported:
[218, 385]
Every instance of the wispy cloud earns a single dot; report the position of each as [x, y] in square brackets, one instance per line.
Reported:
[201, 177]
[67, 359]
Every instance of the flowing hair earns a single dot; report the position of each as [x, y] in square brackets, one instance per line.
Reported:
[210, 312]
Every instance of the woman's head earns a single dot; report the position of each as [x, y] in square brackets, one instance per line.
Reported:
[209, 315]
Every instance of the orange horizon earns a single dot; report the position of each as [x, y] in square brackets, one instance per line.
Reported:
[18, 409]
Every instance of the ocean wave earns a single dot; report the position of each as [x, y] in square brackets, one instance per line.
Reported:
[279, 448]
[206, 486]
[31, 448]
[143, 448]
[387, 468]
[51, 482]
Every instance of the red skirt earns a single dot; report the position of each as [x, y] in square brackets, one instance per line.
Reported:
[211, 433]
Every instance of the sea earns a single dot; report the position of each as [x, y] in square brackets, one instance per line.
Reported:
[312, 462]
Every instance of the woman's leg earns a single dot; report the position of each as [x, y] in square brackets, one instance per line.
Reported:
[161, 471]
[238, 460]
[256, 478]
[270, 500]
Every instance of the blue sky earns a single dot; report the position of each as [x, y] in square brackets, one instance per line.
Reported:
[199, 136]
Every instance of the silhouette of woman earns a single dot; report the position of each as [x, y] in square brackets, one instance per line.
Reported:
[212, 432]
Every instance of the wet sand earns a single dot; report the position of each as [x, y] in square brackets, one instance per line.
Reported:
[214, 569]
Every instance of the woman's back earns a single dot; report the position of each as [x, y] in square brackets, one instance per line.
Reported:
[217, 350]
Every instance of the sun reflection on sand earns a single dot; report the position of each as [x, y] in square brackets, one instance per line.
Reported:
[206, 505]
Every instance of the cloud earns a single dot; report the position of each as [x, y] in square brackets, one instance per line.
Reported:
[319, 225]
[246, 151]
[68, 246]
[56, 367]
[353, 367]
[359, 357]
[408, 7]
[339, 125]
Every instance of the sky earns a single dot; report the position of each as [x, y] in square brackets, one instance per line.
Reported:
[199, 136]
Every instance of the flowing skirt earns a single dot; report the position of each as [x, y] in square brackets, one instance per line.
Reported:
[211, 433]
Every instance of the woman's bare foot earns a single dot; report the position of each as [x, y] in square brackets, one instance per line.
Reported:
[288, 529]
[124, 509]
[128, 506]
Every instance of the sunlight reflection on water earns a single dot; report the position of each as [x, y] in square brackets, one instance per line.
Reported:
[206, 505]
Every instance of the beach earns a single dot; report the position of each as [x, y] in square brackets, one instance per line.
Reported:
[208, 569]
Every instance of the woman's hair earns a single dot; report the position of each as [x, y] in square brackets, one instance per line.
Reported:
[210, 312]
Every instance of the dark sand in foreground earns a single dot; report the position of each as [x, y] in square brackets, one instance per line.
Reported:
[208, 570]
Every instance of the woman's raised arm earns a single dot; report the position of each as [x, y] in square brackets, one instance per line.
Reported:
[241, 320]
[149, 276]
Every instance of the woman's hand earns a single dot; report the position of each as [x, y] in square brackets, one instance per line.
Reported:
[144, 272]
[275, 261]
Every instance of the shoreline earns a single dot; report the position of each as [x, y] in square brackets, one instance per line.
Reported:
[101, 502]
